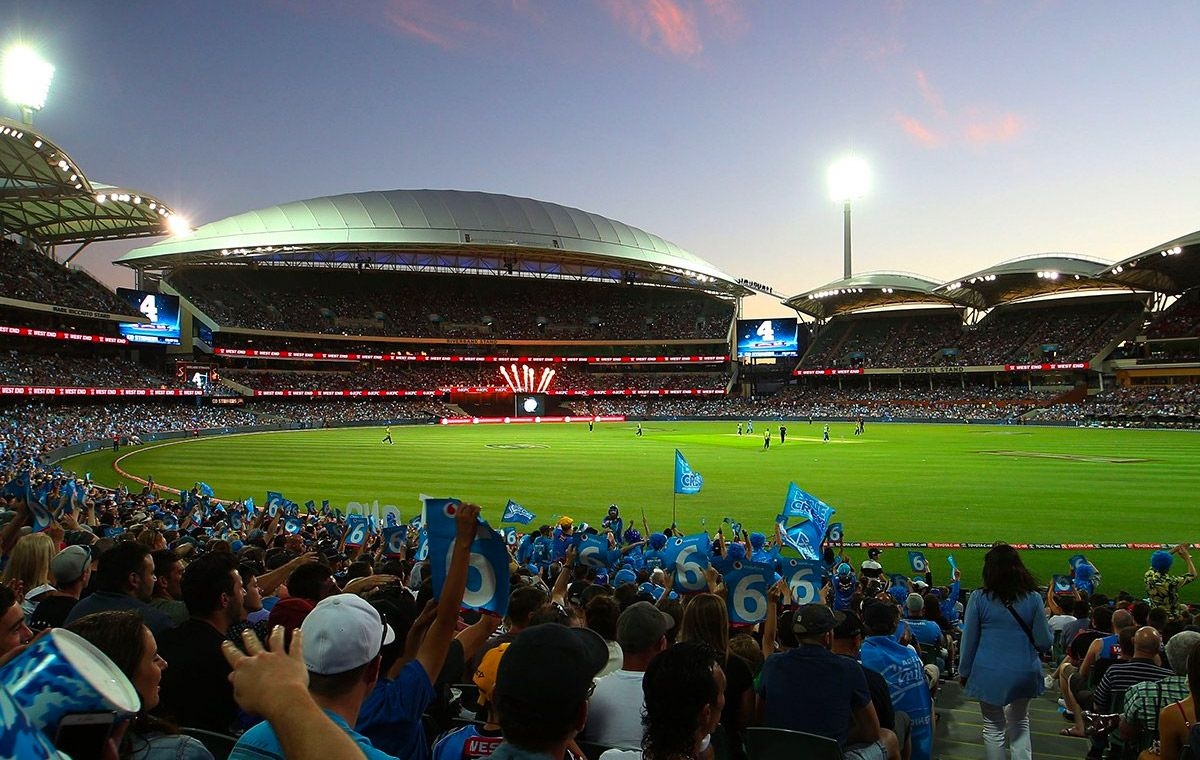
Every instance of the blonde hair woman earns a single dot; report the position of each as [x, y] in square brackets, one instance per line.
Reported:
[29, 566]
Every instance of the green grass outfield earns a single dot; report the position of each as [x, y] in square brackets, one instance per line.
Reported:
[896, 483]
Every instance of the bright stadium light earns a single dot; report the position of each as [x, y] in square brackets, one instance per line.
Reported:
[27, 79]
[178, 225]
[849, 179]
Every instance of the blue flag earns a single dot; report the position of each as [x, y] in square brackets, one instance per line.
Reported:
[592, 551]
[803, 577]
[918, 563]
[687, 481]
[800, 503]
[804, 538]
[487, 576]
[393, 540]
[205, 489]
[514, 512]
[688, 557]
[249, 505]
[746, 586]
[1076, 560]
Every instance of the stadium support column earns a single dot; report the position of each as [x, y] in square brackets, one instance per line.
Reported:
[846, 239]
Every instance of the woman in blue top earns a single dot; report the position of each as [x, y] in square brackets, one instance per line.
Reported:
[1002, 633]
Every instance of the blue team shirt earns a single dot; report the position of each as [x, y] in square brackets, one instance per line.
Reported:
[466, 743]
[261, 743]
[390, 716]
[901, 668]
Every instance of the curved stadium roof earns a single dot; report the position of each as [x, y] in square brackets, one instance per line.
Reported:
[46, 197]
[439, 229]
[1029, 276]
[868, 290]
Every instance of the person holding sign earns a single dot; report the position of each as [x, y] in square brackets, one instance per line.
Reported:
[390, 715]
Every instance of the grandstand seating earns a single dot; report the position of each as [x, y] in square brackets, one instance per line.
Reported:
[1079, 328]
[1180, 320]
[30, 276]
[79, 366]
[448, 306]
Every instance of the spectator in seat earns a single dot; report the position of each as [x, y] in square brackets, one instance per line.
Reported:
[343, 637]
[904, 672]
[312, 581]
[1177, 724]
[706, 619]
[196, 691]
[124, 580]
[70, 569]
[125, 640]
[14, 634]
[523, 601]
[542, 689]
[1145, 700]
[168, 596]
[811, 689]
[684, 691]
[847, 642]
[612, 721]
[1163, 588]
[475, 741]
[1145, 644]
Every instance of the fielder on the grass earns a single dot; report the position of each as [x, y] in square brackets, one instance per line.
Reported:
[387, 437]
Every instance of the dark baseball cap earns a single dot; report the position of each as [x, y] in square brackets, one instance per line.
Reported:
[641, 626]
[813, 620]
[847, 625]
[879, 616]
[548, 671]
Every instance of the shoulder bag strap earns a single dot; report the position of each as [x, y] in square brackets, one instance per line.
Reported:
[1020, 621]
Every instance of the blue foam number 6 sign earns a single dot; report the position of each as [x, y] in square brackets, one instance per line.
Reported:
[804, 580]
[358, 531]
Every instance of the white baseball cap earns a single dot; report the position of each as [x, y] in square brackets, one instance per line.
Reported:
[343, 632]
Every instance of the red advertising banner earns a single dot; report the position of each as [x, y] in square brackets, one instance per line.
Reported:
[830, 371]
[35, 390]
[29, 332]
[496, 389]
[251, 353]
[1047, 367]
[527, 420]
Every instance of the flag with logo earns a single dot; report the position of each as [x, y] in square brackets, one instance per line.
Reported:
[800, 503]
[514, 512]
[205, 489]
[803, 538]
[687, 480]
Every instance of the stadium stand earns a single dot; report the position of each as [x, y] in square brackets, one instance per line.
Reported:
[447, 306]
[27, 275]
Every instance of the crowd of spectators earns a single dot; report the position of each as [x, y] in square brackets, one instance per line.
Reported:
[1134, 405]
[322, 413]
[69, 366]
[448, 306]
[1180, 320]
[1070, 332]
[442, 375]
[27, 275]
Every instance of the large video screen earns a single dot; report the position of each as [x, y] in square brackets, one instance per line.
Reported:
[161, 310]
[767, 337]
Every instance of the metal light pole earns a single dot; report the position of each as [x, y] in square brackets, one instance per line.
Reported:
[848, 180]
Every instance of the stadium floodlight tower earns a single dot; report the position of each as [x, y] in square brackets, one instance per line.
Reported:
[848, 180]
[27, 79]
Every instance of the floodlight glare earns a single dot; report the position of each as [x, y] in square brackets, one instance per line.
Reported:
[26, 79]
[178, 226]
[849, 179]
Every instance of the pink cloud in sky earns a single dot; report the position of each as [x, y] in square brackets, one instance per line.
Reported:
[663, 25]
[1003, 130]
[917, 131]
[730, 21]
[435, 23]
[929, 93]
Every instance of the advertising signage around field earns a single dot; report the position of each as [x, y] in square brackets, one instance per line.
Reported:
[767, 338]
[162, 311]
[1046, 367]
[251, 353]
[520, 420]
[494, 389]
[29, 332]
[38, 390]
[830, 371]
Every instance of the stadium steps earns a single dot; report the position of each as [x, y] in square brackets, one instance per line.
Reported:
[959, 732]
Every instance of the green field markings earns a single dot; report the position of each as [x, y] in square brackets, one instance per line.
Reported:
[1066, 457]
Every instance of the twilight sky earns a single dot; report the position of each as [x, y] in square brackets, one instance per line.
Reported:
[993, 129]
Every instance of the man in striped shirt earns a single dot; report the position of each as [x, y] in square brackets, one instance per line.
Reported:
[1143, 701]
[1122, 675]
